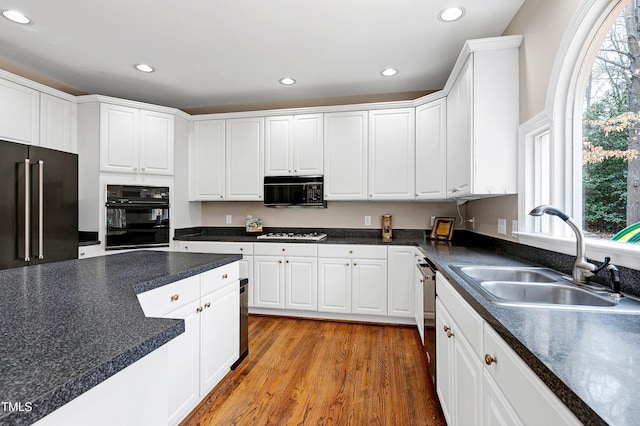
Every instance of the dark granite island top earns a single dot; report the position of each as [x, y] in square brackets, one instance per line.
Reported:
[68, 326]
[588, 359]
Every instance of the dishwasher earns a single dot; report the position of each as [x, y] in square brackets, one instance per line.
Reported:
[244, 322]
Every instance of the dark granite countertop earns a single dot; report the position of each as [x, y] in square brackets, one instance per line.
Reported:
[67, 326]
[588, 359]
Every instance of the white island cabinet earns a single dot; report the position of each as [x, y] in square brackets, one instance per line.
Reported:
[201, 356]
[479, 378]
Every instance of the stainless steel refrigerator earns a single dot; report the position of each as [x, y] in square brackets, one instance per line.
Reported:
[38, 205]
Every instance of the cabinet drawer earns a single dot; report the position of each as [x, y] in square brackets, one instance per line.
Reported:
[285, 249]
[528, 395]
[161, 300]
[348, 251]
[216, 247]
[466, 318]
[217, 278]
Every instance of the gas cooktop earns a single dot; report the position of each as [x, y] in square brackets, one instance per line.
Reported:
[311, 236]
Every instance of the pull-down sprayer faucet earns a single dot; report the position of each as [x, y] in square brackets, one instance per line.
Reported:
[582, 270]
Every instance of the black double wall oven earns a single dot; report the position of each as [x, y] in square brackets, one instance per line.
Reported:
[137, 217]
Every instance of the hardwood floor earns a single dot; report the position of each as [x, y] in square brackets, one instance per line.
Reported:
[305, 372]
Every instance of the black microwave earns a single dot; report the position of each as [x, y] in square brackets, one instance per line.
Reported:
[294, 191]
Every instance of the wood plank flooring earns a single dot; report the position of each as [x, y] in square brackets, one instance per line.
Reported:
[305, 372]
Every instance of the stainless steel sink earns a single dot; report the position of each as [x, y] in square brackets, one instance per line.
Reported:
[498, 273]
[542, 287]
[549, 293]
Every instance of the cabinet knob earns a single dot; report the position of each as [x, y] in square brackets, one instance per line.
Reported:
[355, 264]
[220, 196]
[143, 169]
[279, 261]
[447, 328]
[174, 297]
[488, 359]
[199, 309]
[346, 264]
[284, 250]
[350, 251]
[207, 305]
[186, 247]
[241, 249]
[135, 169]
[225, 276]
[449, 334]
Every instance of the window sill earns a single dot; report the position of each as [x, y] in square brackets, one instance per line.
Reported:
[621, 254]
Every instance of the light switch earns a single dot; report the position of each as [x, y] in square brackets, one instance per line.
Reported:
[502, 226]
[367, 220]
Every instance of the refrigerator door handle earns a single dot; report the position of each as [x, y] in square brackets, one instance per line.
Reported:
[40, 210]
[27, 213]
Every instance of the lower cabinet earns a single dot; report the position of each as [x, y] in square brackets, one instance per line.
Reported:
[200, 357]
[352, 279]
[401, 281]
[286, 276]
[479, 378]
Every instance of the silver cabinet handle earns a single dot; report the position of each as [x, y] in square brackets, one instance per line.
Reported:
[41, 210]
[27, 213]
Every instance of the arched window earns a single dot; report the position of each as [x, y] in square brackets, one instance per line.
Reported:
[582, 153]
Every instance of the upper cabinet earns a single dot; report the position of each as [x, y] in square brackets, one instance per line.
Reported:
[293, 145]
[19, 113]
[482, 119]
[391, 154]
[207, 160]
[58, 123]
[431, 150]
[244, 159]
[133, 140]
[345, 155]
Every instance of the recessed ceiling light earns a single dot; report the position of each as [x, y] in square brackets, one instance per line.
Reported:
[144, 68]
[451, 14]
[287, 81]
[17, 17]
[389, 72]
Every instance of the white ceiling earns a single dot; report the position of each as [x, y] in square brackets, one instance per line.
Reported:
[214, 52]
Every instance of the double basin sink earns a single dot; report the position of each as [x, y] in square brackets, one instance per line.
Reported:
[542, 287]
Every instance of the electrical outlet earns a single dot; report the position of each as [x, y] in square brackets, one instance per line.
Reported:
[367, 220]
[228, 219]
[473, 222]
[502, 226]
[514, 228]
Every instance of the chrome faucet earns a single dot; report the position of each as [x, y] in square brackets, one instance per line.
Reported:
[582, 269]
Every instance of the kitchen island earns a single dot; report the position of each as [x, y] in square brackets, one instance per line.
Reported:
[68, 326]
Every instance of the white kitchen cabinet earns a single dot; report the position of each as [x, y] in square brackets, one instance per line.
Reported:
[293, 145]
[135, 141]
[219, 247]
[207, 161]
[392, 154]
[345, 155]
[220, 332]
[418, 297]
[244, 153]
[352, 279]
[480, 377]
[19, 113]
[85, 252]
[401, 281]
[431, 150]
[286, 276]
[58, 123]
[482, 119]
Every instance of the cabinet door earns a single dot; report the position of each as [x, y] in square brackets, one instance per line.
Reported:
[268, 274]
[207, 161]
[497, 410]
[245, 159]
[467, 370]
[156, 142]
[345, 155]
[184, 364]
[444, 364]
[460, 132]
[220, 335]
[392, 154]
[119, 138]
[419, 299]
[334, 285]
[278, 146]
[307, 144]
[431, 151]
[19, 112]
[57, 124]
[369, 283]
[401, 281]
[301, 283]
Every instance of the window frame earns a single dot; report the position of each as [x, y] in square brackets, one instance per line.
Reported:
[562, 122]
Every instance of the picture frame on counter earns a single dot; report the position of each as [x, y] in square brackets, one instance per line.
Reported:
[442, 228]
